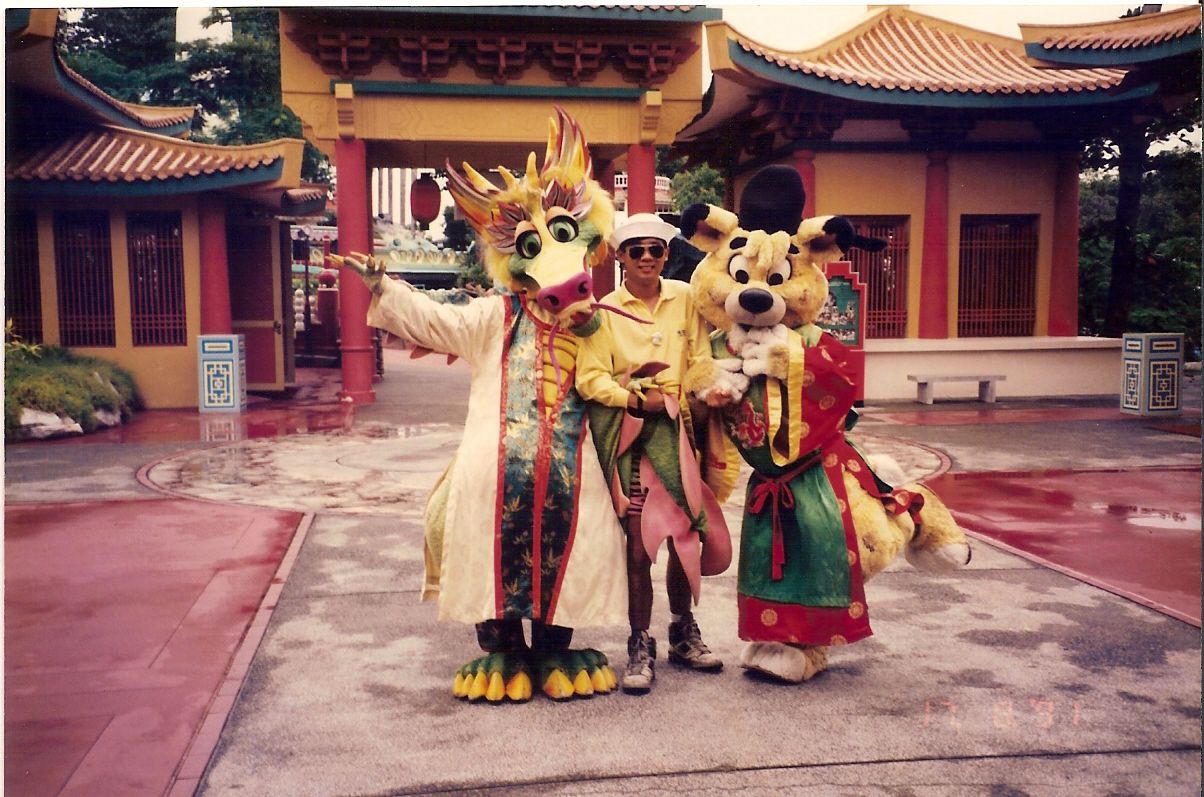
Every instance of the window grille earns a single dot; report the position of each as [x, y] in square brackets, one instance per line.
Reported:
[997, 276]
[884, 273]
[84, 271]
[156, 249]
[22, 282]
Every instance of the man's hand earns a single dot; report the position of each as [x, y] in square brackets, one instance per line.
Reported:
[654, 401]
[371, 271]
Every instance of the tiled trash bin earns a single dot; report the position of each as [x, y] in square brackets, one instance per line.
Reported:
[222, 363]
[1152, 376]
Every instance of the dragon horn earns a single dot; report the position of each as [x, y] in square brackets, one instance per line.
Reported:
[473, 198]
[532, 175]
[509, 179]
[567, 149]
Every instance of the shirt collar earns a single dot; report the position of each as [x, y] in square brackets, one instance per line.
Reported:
[626, 297]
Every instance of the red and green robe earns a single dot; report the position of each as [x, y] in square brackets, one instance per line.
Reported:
[800, 578]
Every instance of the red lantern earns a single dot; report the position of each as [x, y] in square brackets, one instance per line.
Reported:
[425, 199]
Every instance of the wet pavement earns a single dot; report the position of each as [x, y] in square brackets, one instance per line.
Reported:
[1059, 662]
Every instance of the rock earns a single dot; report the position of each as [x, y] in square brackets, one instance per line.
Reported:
[38, 425]
[108, 417]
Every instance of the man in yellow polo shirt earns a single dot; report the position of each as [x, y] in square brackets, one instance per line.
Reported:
[676, 338]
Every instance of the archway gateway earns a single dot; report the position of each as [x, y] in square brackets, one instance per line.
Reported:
[411, 87]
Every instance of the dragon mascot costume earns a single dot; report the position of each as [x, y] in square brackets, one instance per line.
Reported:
[521, 527]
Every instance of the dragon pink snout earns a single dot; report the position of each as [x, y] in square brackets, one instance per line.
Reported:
[557, 298]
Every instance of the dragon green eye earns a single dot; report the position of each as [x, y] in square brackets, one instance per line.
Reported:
[563, 228]
[528, 245]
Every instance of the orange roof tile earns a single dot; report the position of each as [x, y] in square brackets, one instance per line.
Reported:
[114, 155]
[151, 116]
[1120, 34]
[901, 49]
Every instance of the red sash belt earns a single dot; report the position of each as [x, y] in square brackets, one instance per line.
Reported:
[776, 489]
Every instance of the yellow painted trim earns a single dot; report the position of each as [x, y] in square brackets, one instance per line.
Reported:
[716, 35]
[51, 333]
[651, 104]
[119, 253]
[344, 103]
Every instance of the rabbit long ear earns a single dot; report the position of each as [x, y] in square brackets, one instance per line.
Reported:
[706, 226]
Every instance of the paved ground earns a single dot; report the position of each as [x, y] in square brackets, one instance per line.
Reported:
[1011, 677]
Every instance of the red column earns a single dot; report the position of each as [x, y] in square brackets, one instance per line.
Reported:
[641, 179]
[1064, 273]
[215, 267]
[934, 263]
[604, 274]
[804, 164]
[355, 235]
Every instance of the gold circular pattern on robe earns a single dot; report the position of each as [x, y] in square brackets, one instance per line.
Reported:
[769, 617]
[830, 461]
[852, 557]
[808, 378]
[837, 639]
[826, 403]
[804, 429]
[853, 465]
[841, 505]
[856, 609]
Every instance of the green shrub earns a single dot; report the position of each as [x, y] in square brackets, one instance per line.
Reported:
[53, 379]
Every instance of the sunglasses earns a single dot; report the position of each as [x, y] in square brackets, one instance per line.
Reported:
[636, 252]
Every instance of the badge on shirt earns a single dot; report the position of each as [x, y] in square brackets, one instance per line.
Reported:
[657, 339]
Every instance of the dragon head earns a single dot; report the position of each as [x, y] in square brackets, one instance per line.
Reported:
[544, 230]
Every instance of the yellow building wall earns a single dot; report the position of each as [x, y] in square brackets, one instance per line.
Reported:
[893, 184]
[165, 375]
[886, 184]
[1008, 184]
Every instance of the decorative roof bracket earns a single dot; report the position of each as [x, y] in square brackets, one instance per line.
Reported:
[650, 115]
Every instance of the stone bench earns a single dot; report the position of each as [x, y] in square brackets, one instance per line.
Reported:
[986, 384]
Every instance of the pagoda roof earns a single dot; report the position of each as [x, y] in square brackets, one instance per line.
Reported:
[33, 65]
[1128, 41]
[899, 56]
[599, 12]
[110, 160]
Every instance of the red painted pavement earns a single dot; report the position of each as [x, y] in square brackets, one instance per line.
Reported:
[1135, 532]
[121, 620]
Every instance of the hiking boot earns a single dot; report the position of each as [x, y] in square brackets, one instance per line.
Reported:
[687, 648]
[641, 663]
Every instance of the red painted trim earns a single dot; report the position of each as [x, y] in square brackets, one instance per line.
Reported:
[641, 179]
[934, 264]
[803, 161]
[1064, 271]
[498, 600]
[543, 465]
[355, 235]
[215, 267]
[604, 274]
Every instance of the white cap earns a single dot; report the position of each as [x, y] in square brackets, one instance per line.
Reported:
[642, 225]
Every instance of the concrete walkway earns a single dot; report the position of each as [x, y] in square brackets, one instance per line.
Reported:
[1012, 676]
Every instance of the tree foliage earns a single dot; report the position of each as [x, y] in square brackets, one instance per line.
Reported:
[131, 53]
[1165, 280]
[701, 183]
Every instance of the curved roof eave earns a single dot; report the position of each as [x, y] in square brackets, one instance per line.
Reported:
[759, 67]
[1104, 58]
